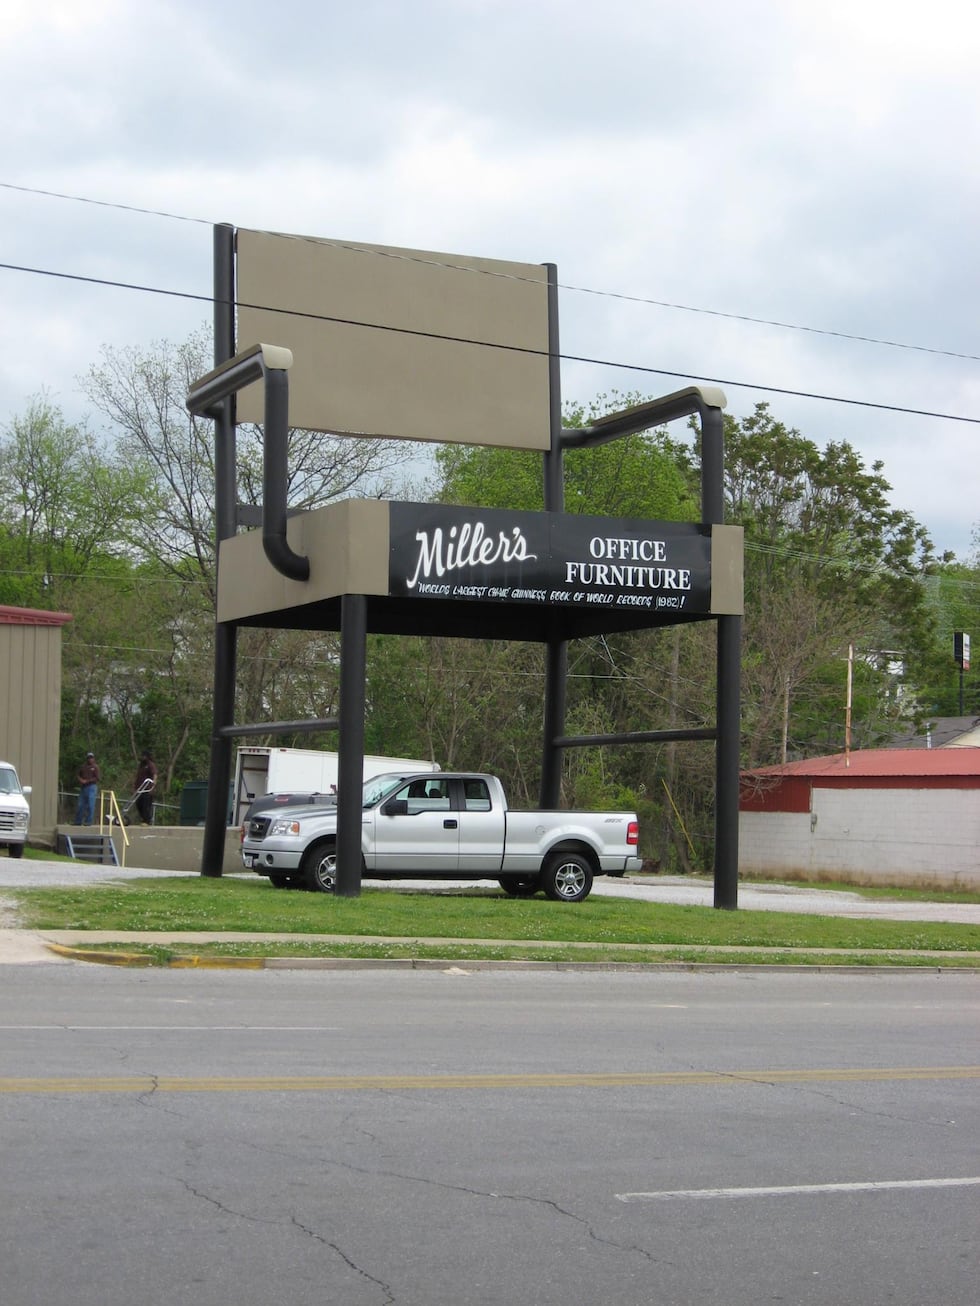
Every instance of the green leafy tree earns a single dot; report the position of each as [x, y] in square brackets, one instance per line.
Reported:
[67, 518]
[646, 475]
[67, 503]
[830, 564]
[471, 704]
[953, 596]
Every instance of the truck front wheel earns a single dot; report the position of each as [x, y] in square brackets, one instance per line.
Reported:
[320, 867]
[566, 877]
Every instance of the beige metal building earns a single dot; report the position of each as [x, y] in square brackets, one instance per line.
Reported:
[30, 706]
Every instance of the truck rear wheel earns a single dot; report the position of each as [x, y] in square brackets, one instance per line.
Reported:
[566, 877]
[520, 886]
[319, 867]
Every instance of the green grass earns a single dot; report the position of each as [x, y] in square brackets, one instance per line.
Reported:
[501, 927]
[900, 893]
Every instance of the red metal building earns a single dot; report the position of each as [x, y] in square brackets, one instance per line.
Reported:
[891, 815]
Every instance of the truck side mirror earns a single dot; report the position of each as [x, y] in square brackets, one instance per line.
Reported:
[396, 807]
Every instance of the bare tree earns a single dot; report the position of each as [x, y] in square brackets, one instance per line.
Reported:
[143, 392]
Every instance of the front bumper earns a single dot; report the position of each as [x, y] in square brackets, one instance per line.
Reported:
[13, 827]
[270, 858]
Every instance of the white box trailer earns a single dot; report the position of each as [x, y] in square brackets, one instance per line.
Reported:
[263, 770]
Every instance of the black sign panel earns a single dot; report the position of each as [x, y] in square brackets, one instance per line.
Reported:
[491, 555]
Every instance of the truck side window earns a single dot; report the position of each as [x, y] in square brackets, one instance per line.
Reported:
[428, 796]
[476, 796]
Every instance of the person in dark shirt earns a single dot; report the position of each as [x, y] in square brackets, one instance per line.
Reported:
[146, 784]
[89, 777]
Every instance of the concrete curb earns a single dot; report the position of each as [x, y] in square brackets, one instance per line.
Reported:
[144, 959]
[198, 962]
[105, 958]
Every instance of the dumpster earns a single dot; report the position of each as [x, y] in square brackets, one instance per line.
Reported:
[194, 802]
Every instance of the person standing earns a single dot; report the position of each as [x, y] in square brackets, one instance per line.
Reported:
[89, 777]
[146, 783]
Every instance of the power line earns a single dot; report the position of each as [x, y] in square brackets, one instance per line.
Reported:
[519, 349]
[580, 290]
[103, 204]
[773, 322]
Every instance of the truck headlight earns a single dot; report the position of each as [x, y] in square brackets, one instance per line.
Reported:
[282, 825]
[21, 820]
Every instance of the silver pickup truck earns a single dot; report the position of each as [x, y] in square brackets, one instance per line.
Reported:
[446, 825]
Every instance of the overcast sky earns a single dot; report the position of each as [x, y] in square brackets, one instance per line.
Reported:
[699, 172]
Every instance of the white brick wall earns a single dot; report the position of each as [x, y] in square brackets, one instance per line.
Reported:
[888, 836]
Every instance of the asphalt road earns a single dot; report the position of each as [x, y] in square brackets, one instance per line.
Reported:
[431, 1138]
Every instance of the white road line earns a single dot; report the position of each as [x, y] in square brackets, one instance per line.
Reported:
[172, 1029]
[792, 1190]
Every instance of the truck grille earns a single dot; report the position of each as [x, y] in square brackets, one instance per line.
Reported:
[258, 827]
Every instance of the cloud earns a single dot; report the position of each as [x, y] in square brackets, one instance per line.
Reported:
[783, 161]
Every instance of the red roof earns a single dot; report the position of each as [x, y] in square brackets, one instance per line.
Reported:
[880, 763]
[31, 617]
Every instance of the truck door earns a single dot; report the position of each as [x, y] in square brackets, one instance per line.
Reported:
[425, 837]
[481, 829]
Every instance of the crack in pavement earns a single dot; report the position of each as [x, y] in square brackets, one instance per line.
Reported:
[358, 1269]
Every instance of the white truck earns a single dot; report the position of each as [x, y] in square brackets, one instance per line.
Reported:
[447, 825]
[15, 811]
[260, 770]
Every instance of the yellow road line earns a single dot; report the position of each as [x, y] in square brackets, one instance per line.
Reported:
[404, 1083]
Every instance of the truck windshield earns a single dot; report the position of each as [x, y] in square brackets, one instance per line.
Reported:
[379, 786]
[9, 784]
